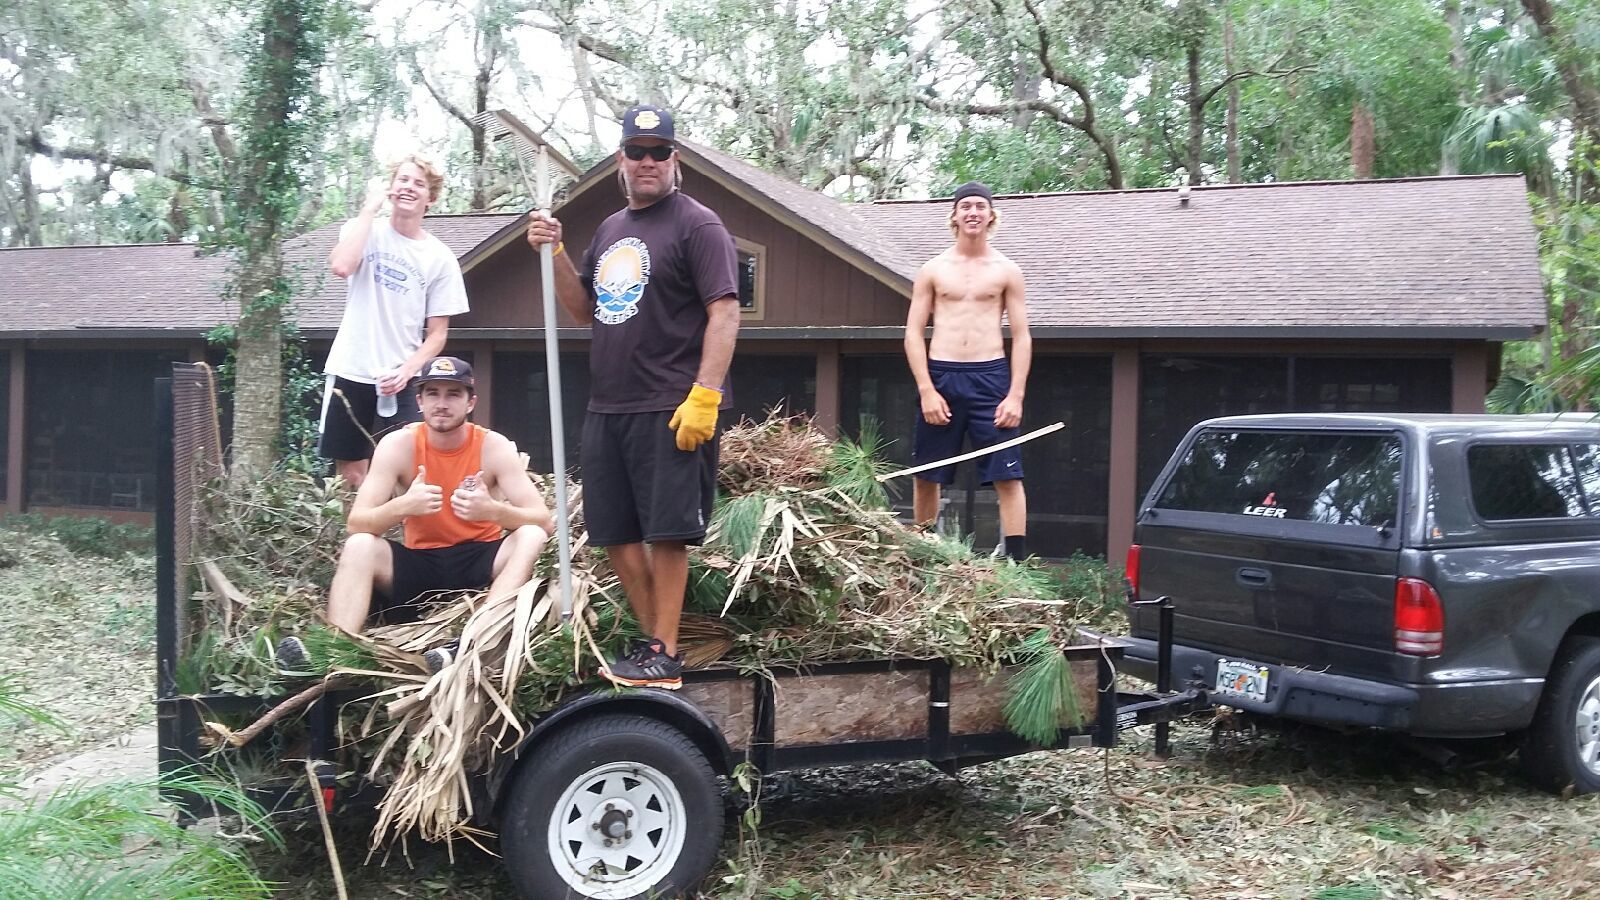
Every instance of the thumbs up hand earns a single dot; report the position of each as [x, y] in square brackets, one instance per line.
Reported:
[422, 498]
[471, 501]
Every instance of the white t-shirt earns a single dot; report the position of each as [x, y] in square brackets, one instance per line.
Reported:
[400, 284]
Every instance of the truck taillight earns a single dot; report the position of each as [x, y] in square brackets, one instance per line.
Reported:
[1418, 618]
[1131, 571]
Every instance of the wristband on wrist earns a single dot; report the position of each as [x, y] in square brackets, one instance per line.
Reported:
[561, 247]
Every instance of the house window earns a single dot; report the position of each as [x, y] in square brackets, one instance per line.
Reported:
[75, 400]
[752, 277]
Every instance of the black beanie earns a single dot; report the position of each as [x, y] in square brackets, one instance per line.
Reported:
[973, 189]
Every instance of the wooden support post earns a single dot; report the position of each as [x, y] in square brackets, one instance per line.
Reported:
[16, 433]
[1469, 378]
[828, 400]
[1124, 471]
[483, 377]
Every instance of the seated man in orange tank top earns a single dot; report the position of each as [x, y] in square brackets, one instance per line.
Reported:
[472, 517]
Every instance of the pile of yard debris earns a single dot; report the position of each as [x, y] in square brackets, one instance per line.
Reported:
[804, 563]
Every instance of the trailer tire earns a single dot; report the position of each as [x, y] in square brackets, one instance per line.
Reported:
[1561, 750]
[612, 808]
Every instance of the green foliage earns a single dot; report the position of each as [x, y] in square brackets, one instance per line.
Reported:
[856, 466]
[1043, 696]
[87, 534]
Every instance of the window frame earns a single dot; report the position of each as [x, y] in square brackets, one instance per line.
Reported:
[758, 306]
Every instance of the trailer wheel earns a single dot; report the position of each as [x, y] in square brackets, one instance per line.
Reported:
[612, 808]
[1561, 751]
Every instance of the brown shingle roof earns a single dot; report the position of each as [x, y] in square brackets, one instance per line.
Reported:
[80, 290]
[153, 288]
[1440, 253]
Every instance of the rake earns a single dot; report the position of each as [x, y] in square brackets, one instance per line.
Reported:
[549, 168]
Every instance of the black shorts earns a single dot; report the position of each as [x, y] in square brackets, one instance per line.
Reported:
[418, 574]
[350, 426]
[637, 484]
[972, 391]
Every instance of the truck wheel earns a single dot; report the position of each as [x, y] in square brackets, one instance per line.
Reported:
[1561, 750]
[612, 808]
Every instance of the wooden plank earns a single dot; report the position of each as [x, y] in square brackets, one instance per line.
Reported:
[730, 704]
[978, 699]
[870, 706]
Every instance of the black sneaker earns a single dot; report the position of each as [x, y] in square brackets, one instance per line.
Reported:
[292, 656]
[652, 667]
[439, 657]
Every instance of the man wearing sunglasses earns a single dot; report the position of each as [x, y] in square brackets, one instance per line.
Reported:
[659, 285]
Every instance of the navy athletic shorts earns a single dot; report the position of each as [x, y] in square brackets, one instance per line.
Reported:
[972, 390]
[350, 426]
[638, 486]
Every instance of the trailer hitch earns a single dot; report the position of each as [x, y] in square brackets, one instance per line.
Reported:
[1163, 605]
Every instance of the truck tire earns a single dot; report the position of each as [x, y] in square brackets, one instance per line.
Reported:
[1561, 751]
[612, 808]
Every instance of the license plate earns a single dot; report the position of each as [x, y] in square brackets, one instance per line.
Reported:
[1237, 678]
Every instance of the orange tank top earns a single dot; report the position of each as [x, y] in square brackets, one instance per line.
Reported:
[447, 469]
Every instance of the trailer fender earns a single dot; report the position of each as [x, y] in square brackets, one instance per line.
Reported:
[656, 704]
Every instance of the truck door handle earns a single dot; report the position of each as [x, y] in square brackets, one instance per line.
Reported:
[1253, 578]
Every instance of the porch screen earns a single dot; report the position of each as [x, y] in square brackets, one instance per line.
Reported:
[1175, 392]
[522, 403]
[1067, 471]
[90, 427]
[765, 381]
[5, 422]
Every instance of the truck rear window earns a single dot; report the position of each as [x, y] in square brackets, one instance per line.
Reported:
[1523, 481]
[1339, 479]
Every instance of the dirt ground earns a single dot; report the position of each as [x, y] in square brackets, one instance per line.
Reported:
[1280, 813]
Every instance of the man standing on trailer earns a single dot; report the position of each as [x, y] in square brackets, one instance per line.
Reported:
[965, 384]
[659, 284]
[400, 282]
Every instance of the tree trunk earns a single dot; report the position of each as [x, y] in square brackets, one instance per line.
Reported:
[1450, 155]
[1025, 84]
[1232, 137]
[1197, 112]
[1582, 95]
[268, 191]
[1363, 142]
[29, 227]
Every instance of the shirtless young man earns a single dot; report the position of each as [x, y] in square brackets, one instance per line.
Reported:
[965, 383]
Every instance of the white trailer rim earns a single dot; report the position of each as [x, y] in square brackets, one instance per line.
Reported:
[617, 830]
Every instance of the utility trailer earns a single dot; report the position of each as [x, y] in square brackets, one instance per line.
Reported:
[617, 793]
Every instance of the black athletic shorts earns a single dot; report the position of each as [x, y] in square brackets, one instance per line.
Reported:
[637, 484]
[351, 425]
[420, 573]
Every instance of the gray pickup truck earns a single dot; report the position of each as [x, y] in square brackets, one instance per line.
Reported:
[1437, 575]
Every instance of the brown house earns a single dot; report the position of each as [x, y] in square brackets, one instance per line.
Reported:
[1149, 310]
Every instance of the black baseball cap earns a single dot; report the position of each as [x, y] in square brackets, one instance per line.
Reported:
[445, 368]
[645, 120]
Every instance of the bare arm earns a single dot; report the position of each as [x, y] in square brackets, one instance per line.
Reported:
[1008, 414]
[569, 287]
[716, 351]
[935, 411]
[346, 256]
[503, 474]
[432, 344]
[379, 505]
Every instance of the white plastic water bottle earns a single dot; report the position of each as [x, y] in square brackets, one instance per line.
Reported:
[387, 405]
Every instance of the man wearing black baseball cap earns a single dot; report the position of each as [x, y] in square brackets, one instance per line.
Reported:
[967, 387]
[659, 284]
[471, 516]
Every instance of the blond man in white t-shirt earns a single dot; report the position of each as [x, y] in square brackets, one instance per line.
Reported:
[403, 285]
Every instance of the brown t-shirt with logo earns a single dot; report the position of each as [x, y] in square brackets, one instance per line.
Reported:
[652, 272]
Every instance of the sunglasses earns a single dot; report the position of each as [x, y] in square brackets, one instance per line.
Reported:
[659, 152]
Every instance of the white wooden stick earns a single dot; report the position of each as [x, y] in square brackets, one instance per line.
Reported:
[1021, 439]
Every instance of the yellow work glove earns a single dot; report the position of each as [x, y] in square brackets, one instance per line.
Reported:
[695, 419]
